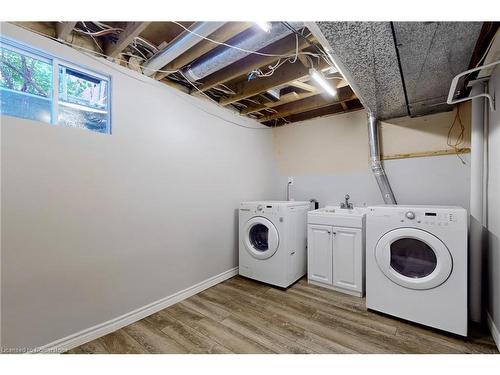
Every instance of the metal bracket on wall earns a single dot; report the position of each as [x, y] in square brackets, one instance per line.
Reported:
[454, 84]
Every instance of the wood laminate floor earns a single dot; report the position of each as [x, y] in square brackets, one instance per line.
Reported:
[243, 316]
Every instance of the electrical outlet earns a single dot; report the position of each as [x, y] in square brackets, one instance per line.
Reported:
[291, 180]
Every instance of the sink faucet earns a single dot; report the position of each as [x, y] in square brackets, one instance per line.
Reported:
[346, 203]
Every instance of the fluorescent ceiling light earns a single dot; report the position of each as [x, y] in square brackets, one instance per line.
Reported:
[318, 77]
[266, 26]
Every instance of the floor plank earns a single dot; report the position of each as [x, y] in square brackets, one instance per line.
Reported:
[244, 316]
[120, 342]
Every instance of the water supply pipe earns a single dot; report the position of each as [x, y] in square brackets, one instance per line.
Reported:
[375, 162]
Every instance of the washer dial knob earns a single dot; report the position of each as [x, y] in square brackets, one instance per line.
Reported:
[410, 215]
[260, 207]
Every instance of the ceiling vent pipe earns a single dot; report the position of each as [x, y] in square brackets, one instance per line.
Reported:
[376, 164]
[222, 57]
[180, 45]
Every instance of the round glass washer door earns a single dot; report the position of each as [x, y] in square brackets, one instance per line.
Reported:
[261, 238]
[413, 258]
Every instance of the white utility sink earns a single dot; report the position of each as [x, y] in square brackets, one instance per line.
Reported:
[336, 216]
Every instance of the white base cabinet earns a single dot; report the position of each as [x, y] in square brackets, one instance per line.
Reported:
[336, 258]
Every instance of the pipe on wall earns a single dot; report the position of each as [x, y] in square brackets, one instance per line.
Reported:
[376, 163]
[477, 201]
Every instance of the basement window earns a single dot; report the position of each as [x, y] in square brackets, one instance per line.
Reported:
[27, 82]
[83, 100]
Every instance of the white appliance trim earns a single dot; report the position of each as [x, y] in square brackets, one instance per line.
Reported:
[495, 332]
[102, 329]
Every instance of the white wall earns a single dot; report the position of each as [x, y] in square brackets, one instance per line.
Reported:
[329, 157]
[493, 207]
[95, 226]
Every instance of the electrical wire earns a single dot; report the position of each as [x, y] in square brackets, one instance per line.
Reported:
[92, 54]
[460, 138]
[321, 53]
[235, 47]
[95, 41]
[279, 63]
[91, 51]
[98, 33]
[204, 94]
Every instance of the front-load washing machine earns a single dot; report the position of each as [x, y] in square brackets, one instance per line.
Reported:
[273, 241]
[416, 264]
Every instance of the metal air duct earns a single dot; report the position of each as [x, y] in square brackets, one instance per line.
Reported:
[376, 164]
[221, 58]
[180, 45]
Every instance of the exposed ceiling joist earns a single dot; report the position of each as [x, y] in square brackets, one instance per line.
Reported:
[287, 98]
[132, 30]
[314, 102]
[64, 29]
[286, 74]
[336, 108]
[304, 86]
[169, 48]
[223, 34]
[285, 46]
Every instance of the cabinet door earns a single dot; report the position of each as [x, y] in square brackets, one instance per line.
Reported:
[319, 253]
[347, 258]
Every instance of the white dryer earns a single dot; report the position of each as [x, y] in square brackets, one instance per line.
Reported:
[416, 264]
[273, 241]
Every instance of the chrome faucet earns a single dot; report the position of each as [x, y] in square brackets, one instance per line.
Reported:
[346, 203]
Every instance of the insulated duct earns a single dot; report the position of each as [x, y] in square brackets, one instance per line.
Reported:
[180, 45]
[376, 164]
[222, 57]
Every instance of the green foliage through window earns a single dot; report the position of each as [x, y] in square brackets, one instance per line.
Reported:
[26, 91]
[24, 73]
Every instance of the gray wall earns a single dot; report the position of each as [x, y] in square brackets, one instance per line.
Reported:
[439, 180]
[95, 226]
[493, 199]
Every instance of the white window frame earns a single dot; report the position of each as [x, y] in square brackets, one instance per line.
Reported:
[57, 62]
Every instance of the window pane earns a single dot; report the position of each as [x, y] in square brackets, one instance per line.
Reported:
[25, 85]
[77, 116]
[83, 100]
[80, 88]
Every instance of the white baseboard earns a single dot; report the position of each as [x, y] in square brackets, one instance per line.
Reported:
[495, 332]
[92, 333]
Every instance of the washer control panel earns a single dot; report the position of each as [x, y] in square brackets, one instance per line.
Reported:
[428, 217]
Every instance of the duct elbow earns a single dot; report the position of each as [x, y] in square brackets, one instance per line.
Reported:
[375, 163]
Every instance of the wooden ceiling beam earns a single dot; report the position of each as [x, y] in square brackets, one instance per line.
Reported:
[284, 75]
[287, 99]
[284, 46]
[226, 32]
[64, 29]
[309, 104]
[304, 86]
[352, 105]
[126, 37]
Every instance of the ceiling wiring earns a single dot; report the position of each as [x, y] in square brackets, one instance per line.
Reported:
[456, 145]
[91, 51]
[141, 49]
[95, 41]
[235, 47]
